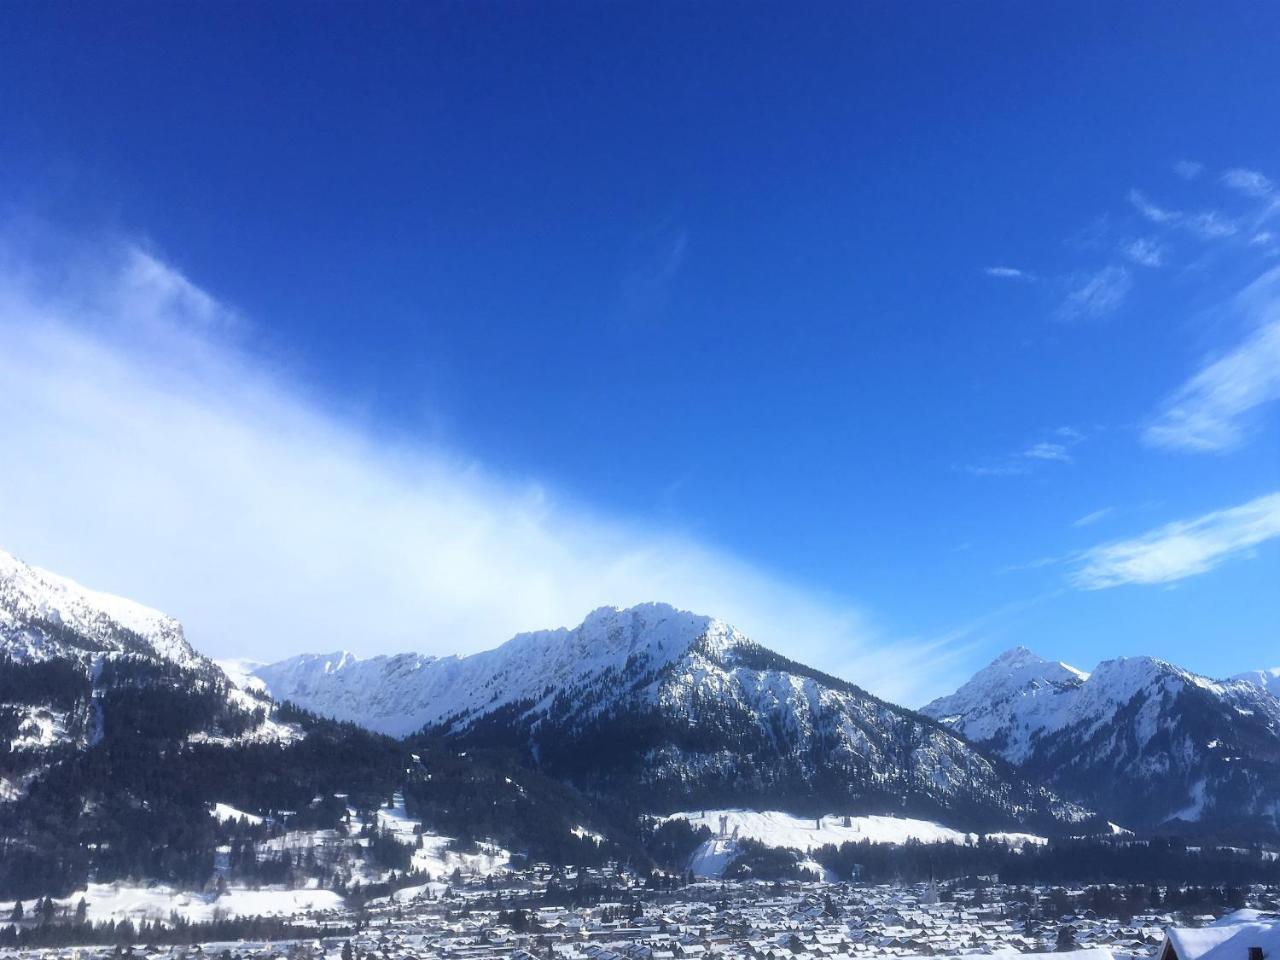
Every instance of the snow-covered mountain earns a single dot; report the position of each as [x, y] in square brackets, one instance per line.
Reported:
[125, 755]
[1007, 701]
[44, 616]
[1139, 739]
[673, 709]
[1268, 680]
[75, 661]
[401, 694]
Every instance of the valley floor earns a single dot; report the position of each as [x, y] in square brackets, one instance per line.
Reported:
[484, 920]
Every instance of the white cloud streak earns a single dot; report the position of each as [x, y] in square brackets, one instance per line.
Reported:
[1211, 225]
[1097, 294]
[1007, 273]
[1212, 410]
[1026, 460]
[1055, 452]
[1144, 252]
[1181, 549]
[1251, 183]
[148, 456]
[1089, 519]
[1152, 211]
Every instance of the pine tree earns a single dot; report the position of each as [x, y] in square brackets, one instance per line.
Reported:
[1066, 938]
[15, 915]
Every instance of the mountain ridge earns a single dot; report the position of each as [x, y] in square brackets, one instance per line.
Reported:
[44, 615]
[676, 708]
[1144, 741]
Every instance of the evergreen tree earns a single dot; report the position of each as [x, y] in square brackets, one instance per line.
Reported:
[1066, 938]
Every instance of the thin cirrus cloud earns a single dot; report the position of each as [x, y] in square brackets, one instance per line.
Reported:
[1144, 251]
[151, 456]
[1187, 169]
[1045, 450]
[1214, 409]
[1097, 294]
[1251, 183]
[1152, 211]
[1026, 460]
[1089, 519]
[1007, 273]
[1180, 549]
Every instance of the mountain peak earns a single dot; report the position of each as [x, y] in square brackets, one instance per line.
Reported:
[1018, 656]
[1015, 682]
[402, 693]
[1267, 679]
[676, 706]
[40, 611]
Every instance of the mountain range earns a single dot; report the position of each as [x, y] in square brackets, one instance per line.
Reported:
[119, 741]
[1144, 741]
[677, 710]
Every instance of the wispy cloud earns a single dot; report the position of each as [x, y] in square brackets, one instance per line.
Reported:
[148, 455]
[1144, 251]
[1251, 183]
[1210, 411]
[1187, 169]
[1048, 451]
[655, 263]
[1089, 519]
[1007, 273]
[1056, 450]
[1097, 294]
[1211, 225]
[1180, 549]
[1152, 211]
[1208, 224]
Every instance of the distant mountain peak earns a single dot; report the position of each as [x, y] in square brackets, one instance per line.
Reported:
[1018, 656]
[1139, 738]
[1007, 686]
[1267, 679]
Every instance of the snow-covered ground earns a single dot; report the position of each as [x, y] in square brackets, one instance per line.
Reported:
[431, 891]
[777, 829]
[774, 828]
[39, 727]
[239, 670]
[439, 862]
[432, 856]
[108, 901]
[222, 812]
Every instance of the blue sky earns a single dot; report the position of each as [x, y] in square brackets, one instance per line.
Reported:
[897, 333]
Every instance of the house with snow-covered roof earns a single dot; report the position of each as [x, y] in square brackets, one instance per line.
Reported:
[1243, 935]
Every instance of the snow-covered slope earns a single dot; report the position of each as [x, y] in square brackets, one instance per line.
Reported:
[401, 694]
[774, 828]
[1140, 739]
[1268, 680]
[1018, 694]
[45, 616]
[679, 707]
[63, 647]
